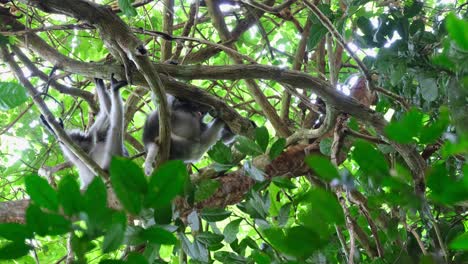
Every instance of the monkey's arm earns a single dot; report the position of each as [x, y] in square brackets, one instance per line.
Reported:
[103, 96]
[211, 134]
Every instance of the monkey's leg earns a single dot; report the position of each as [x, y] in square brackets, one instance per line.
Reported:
[114, 140]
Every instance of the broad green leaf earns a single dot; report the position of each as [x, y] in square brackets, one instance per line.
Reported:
[284, 182]
[98, 216]
[209, 238]
[220, 153]
[127, 8]
[429, 90]
[95, 195]
[159, 236]
[229, 257]
[14, 231]
[214, 214]
[317, 33]
[457, 30]
[399, 130]
[163, 214]
[445, 188]
[260, 258]
[297, 241]
[166, 183]
[11, 95]
[14, 250]
[35, 220]
[325, 146]
[277, 148]
[322, 167]
[321, 209]
[44, 223]
[195, 250]
[129, 183]
[253, 171]
[413, 8]
[115, 235]
[69, 196]
[370, 160]
[41, 192]
[135, 258]
[262, 137]
[434, 131]
[283, 215]
[231, 230]
[460, 242]
[248, 146]
[205, 189]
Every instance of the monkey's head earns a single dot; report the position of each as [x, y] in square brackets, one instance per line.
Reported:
[196, 109]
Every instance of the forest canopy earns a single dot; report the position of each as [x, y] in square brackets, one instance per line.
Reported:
[350, 119]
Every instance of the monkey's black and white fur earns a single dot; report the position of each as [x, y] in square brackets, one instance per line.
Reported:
[104, 138]
[190, 136]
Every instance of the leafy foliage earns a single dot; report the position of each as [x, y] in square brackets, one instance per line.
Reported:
[246, 202]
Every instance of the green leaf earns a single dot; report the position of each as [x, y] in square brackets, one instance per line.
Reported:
[434, 131]
[260, 258]
[370, 160]
[297, 241]
[214, 214]
[262, 137]
[317, 33]
[413, 9]
[158, 236]
[209, 238]
[129, 183]
[231, 230]
[321, 209]
[205, 189]
[167, 182]
[253, 171]
[457, 30]
[114, 237]
[195, 250]
[46, 224]
[283, 182]
[248, 146]
[444, 187]
[69, 196]
[14, 231]
[229, 257]
[220, 153]
[35, 220]
[460, 242]
[277, 148]
[283, 215]
[11, 95]
[429, 90]
[14, 250]
[322, 167]
[325, 146]
[127, 8]
[41, 192]
[95, 195]
[135, 258]
[399, 130]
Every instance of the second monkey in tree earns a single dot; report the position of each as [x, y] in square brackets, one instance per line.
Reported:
[190, 136]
